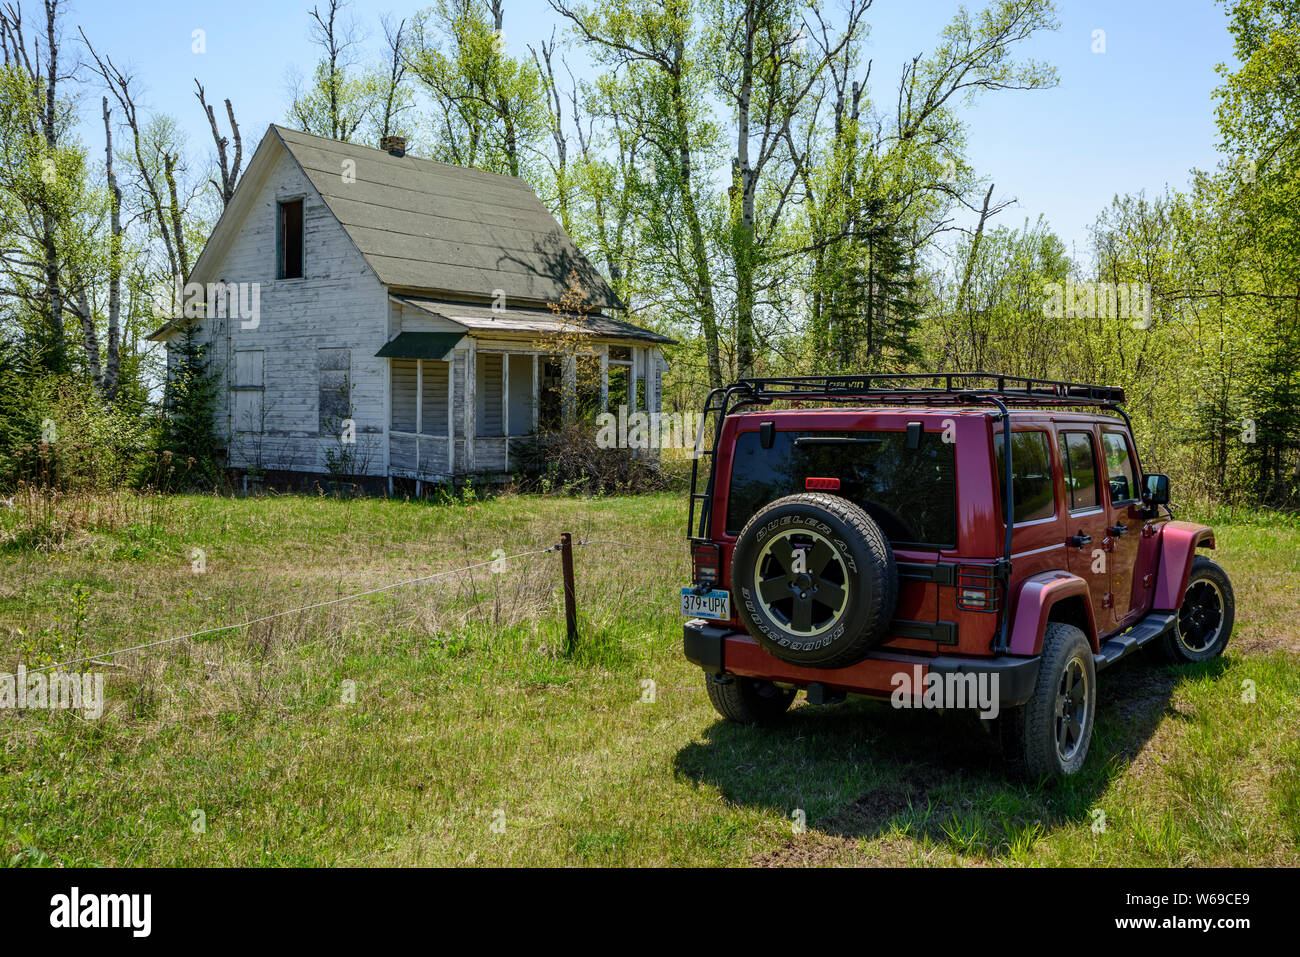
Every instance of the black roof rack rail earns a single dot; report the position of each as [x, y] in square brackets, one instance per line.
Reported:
[1004, 392]
[923, 388]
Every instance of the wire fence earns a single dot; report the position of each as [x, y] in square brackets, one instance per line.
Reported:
[105, 656]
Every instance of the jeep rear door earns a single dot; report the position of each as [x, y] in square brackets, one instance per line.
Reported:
[1086, 516]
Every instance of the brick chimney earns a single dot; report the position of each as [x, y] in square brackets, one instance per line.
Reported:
[393, 144]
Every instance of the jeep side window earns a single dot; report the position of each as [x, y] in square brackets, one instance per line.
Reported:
[1119, 467]
[1031, 475]
[1079, 467]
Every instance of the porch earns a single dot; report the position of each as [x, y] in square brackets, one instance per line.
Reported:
[460, 405]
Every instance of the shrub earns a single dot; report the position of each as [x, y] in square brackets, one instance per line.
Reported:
[567, 460]
[60, 432]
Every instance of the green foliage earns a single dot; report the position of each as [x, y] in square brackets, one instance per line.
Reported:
[60, 432]
[189, 435]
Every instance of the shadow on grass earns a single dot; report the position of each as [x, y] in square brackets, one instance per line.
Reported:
[863, 770]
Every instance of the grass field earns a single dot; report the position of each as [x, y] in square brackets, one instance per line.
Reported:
[441, 723]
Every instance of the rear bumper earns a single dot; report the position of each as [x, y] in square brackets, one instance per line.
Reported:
[719, 650]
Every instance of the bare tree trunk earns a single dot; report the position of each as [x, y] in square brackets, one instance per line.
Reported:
[396, 73]
[963, 292]
[699, 251]
[229, 171]
[555, 106]
[114, 353]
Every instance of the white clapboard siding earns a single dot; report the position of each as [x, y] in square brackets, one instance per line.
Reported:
[338, 304]
[489, 393]
[433, 417]
[403, 395]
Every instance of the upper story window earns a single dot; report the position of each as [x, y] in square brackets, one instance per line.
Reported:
[289, 240]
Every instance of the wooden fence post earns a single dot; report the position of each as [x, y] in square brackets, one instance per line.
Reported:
[570, 600]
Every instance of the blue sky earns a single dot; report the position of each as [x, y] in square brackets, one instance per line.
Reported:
[1137, 116]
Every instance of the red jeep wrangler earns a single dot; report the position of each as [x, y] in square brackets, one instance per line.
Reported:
[855, 543]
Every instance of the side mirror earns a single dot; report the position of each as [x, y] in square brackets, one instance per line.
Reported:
[1155, 489]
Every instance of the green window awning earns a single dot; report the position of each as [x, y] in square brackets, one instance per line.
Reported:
[420, 345]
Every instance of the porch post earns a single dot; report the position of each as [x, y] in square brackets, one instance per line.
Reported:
[451, 414]
[537, 391]
[471, 403]
[604, 378]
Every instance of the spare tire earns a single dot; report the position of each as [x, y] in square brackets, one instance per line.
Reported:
[815, 580]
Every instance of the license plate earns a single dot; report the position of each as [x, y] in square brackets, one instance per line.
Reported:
[714, 604]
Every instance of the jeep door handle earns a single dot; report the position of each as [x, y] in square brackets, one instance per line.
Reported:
[1078, 541]
[1118, 530]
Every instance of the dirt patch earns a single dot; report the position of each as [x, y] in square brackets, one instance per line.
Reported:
[834, 842]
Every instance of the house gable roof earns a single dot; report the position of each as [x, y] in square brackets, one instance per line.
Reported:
[444, 229]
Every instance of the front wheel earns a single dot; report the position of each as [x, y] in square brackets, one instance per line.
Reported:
[747, 701]
[1205, 618]
[1048, 736]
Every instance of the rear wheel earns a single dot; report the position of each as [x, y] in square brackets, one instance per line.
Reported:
[747, 701]
[1048, 736]
[1206, 616]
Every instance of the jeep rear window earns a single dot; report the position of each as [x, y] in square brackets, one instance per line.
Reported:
[911, 493]
[1031, 475]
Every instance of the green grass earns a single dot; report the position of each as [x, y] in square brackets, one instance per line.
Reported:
[467, 713]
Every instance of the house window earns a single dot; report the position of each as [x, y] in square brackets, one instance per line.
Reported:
[550, 412]
[621, 389]
[519, 398]
[247, 390]
[335, 393]
[1031, 475]
[490, 393]
[404, 377]
[289, 240]
[435, 385]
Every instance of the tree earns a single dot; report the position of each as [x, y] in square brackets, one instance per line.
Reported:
[491, 106]
[651, 46]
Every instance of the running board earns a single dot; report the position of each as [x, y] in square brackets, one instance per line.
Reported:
[1148, 629]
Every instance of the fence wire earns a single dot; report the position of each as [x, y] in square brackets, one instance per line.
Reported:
[102, 657]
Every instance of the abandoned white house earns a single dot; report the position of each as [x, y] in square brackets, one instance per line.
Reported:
[395, 312]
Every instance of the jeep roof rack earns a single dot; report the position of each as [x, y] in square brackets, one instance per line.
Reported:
[922, 388]
[912, 388]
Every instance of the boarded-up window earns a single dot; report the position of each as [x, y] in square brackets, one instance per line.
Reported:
[487, 385]
[290, 240]
[521, 398]
[433, 414]
[335, 389]
[247, 390]
[403, 383]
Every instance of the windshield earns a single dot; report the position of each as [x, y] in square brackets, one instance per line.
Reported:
[911, 493]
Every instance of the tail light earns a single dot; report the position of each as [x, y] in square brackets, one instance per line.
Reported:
[821, 484]
[977, 588]
[707, 559]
